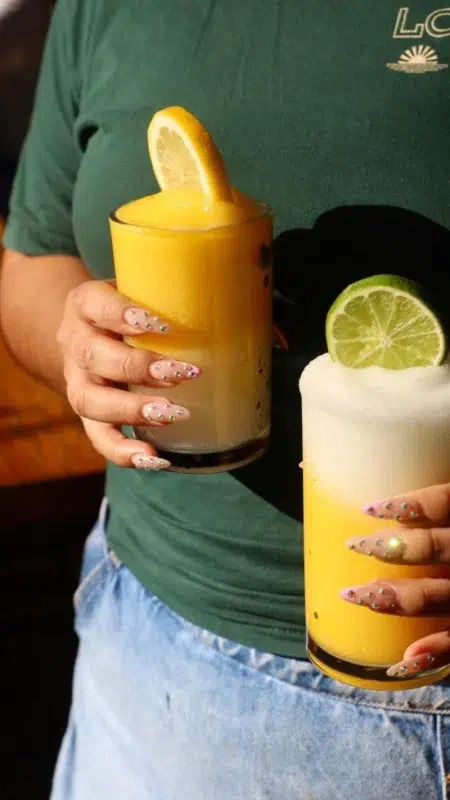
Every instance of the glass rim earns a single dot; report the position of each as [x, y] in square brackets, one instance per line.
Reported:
[266, 211]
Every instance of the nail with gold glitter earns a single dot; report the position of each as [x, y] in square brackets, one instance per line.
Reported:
[413, 667]
[378, 596]
[401, 509]
[386, 547]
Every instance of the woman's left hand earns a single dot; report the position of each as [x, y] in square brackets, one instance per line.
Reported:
[422, 538]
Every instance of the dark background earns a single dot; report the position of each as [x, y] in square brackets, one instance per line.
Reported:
[22, 33]
[42, 524]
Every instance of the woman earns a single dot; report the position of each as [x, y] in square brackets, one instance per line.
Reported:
[191, 679]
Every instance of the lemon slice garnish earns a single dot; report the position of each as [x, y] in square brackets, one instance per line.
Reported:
[183, 154]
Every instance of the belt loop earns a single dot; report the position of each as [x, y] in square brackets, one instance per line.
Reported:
[103, 513]
[103, 516]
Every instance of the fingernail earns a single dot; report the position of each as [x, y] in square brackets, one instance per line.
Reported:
[162, 411]
[392, 548]
[376, 596]
[164, 370]
[412, 666]
[402, 509]
[154, 463]
[142, 320]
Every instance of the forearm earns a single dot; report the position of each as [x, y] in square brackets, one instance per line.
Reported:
[33, 292]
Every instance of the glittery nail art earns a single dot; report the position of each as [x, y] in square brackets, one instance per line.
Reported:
[376, 596]
[164, 412]
[142, 320]
[389, 548]
[167, 370]
[401, 509]
[152, 463]
[412, 666]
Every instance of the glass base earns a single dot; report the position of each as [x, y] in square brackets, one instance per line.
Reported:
[371, 678]
[194, 462]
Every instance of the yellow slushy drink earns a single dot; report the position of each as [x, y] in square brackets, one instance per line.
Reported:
[200, 258]
[369, 432]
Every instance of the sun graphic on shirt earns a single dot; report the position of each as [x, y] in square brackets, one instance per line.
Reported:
[417, 59]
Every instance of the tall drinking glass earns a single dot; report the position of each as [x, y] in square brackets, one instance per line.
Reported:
[368, 434]
[213, 285]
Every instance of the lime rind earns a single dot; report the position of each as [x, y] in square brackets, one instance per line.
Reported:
[383, 321]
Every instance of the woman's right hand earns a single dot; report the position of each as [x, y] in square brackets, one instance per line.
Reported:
[98, 365]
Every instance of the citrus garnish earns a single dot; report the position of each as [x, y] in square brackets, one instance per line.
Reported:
[183, 154]
[384, 321]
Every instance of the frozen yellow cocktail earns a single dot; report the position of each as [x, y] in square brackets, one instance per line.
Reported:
[368, 433]
[199, 257]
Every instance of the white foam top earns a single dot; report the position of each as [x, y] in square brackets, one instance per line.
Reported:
[414, 394]
[375, 432]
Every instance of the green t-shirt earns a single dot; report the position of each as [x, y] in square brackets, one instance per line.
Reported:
[334, 113]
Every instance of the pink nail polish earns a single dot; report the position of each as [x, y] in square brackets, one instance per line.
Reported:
[153, 463]
[389, 548]
[363, 545]
[167, 370]
[413, 666]
[164, 412]
[376, 596]
[142, 320]
[401, 509]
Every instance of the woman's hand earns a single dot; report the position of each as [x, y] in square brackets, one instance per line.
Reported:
[98, 365]
[423, 538]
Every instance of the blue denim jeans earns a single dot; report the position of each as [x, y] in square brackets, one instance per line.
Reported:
[163, 710]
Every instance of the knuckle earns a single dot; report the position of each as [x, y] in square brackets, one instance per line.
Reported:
[123, 412]
[416, 603]
[77, 296]
[83, 350]
[119, 457]
[434, 549]
[79, 400]
[134, 366]
[106, 302]
[423, 600]
[104, 310]
[92, 428]
[101, 297]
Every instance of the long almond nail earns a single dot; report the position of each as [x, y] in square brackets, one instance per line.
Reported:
[164, 412]
[153, 463]
[165, 370]
[390, 548]
[401, 509]
[376, 596]
[142, 320]
[412, 666]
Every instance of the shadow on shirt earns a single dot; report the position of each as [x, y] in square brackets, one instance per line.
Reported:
[311, 268]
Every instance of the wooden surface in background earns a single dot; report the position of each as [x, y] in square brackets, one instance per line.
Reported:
[40, 437]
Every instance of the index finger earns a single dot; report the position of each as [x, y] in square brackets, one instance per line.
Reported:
[99, 303]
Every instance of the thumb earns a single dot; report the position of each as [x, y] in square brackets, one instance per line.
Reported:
[430, 505]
